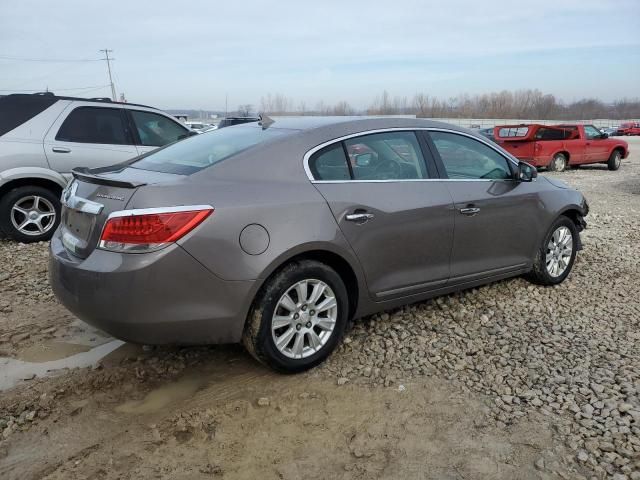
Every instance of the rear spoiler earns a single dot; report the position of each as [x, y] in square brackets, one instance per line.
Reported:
[93, 175]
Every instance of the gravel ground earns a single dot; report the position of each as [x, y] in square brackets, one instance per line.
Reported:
[561, 363]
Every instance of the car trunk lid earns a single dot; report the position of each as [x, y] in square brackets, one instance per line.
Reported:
[93, 196]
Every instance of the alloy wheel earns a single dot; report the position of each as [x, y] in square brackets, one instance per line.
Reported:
[33, 215]
[559, 251]
[616, 160]
[304, 318]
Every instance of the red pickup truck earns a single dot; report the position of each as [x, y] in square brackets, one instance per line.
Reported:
[630, 128]
[558, 146]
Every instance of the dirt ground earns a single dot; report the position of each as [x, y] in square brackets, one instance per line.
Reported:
[75, 403]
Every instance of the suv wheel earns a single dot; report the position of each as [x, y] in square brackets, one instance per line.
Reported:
[29, 213]
[559, 163]
[298, 318]
[557, 253]
[614, 160]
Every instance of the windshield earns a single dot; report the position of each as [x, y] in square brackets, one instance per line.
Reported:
[196, 153]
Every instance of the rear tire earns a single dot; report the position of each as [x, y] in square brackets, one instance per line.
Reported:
[614, 160]
[557, 253]
[559, 163]
[29, 214]
[289, 327]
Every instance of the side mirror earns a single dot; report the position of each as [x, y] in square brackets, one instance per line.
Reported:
[363, 159]
[526, 172]
[604, 135]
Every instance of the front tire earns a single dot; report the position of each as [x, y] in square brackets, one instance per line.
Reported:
[29, 214]
[559, 163]
[557, 253]
[615, 160]
[298, 318]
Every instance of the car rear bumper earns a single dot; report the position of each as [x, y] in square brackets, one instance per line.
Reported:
[163, 297]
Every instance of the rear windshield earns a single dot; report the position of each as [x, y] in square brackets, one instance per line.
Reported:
[507, 132]
[17, 109]
[202, 151]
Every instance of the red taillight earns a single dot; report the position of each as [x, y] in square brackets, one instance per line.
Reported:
[150, 229]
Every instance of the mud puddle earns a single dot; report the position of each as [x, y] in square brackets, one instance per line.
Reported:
[12, 370]
[50, 351]
[164, 396]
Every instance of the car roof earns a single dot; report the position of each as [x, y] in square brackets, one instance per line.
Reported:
[48, 96]
[355, 123]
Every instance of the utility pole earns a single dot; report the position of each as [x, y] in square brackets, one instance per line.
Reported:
[226, 101]
[113, 88]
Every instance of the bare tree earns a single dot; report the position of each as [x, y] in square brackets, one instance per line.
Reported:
[245, 110]
[343, 108]
[520, 104]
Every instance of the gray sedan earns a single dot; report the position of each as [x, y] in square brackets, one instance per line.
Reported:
[278, 233]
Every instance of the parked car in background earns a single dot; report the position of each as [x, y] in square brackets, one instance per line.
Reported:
[199, 127]
[629, 128]
[559, 146]
[610, 131]
[230, 121]
[270, 234]
[44, 136]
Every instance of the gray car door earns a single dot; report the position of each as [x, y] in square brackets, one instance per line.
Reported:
[497, 225]
[398, 222]
[89, 136]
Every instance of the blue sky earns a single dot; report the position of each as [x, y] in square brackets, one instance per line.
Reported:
[191, 54]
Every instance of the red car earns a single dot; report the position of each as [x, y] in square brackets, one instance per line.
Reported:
[629, 128]
[559, 146]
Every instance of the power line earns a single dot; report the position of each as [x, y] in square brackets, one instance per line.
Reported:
[113, 88]
[50, 60]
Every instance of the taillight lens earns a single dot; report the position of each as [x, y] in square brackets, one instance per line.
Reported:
[147, 230]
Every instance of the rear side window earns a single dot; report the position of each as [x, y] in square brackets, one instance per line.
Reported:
[386, 156]
[94, 125]
[465, 158]
[18, 109]
[156, 130]
[553, 133]
[202, 151]
[330, 163]
[374, 157]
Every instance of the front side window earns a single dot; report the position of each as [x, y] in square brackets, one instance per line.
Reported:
[202, 151]
[386, 156]
[94, 125]
[591, 132]
[467, 159]
[156, 130]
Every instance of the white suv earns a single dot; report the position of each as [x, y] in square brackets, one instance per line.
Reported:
[43, 136]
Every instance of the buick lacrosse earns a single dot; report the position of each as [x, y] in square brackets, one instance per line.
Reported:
[278, 233]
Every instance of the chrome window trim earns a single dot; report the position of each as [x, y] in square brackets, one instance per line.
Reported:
[307, 156]
[150, 211]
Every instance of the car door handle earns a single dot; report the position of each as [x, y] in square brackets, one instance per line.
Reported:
[61, 149]
[359, 217]
[469, 211]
